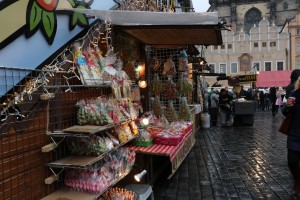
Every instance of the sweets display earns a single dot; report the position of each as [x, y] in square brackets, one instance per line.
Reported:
[118, 194]
[156, 86]
[102, 175]
[102, 111]
[184, 112]
[170, 112]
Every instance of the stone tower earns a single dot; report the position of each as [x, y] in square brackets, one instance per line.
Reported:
[243, 14]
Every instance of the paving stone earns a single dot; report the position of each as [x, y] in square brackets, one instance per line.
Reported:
[233, 163]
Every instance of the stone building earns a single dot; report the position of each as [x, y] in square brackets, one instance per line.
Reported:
[243, 14]
[294, 30]
[259, 39]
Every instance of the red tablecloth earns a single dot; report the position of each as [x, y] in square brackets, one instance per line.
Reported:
[164, 150]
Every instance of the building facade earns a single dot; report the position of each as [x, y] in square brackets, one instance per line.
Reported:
[259, 39]
[294, 31]
[243, 14]
[263, 49]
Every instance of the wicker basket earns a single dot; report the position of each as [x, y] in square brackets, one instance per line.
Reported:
[142, 143]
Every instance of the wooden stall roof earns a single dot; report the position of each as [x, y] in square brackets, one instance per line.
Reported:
[176, 34]
[163, 28]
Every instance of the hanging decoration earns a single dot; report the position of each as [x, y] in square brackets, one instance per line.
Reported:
[89, 65]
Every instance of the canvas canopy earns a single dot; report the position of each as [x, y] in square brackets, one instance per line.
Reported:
[163, 28]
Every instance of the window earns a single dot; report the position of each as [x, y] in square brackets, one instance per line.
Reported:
[223, 68]
[298, 46]
[222, 46]
[255, 44]
[215, 46]
[212, 68]
[272, 44]
[268, 66]
[298, 31]
[229, 46]
[234, 68]
[279, 66]
[256, 66]
[264, 44]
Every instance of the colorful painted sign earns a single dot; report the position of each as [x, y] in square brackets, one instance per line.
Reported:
[19, 17]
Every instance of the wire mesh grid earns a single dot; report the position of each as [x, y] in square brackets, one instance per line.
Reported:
[162, 54]
[50, 107]
[33, 102]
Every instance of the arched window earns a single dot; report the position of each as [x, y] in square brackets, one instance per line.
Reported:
[252, 16]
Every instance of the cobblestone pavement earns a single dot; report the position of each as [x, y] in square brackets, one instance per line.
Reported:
[233, 163]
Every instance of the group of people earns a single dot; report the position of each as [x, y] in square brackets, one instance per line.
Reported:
[278, 99]
[221, 99]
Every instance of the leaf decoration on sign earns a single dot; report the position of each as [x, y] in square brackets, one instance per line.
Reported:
[78, 18]
[49, 25]
[34, 18]
[42, 14]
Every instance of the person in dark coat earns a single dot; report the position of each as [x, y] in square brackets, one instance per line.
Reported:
[293, 139]
[273, 100]
[225, 102]
[294, 76]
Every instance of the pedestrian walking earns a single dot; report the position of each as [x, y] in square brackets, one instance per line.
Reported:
[279, 95]
[214, 106]
[294, 76]
[225, 104]
[273, 100]
[293, 139]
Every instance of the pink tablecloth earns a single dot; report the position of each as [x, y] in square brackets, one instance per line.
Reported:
[164, 150]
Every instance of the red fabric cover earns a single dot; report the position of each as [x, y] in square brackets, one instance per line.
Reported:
[273, 78]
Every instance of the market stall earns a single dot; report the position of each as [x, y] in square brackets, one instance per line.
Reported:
[86, 105]
[273, 78]
[243, 107]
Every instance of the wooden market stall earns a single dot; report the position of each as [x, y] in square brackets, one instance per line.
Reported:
[51, 108]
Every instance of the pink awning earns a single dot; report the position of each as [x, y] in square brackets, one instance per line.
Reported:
[273, 78]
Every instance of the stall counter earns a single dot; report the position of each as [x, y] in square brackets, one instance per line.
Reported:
[244, 112]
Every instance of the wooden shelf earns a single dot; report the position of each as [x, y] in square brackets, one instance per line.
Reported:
[82, 161]
[83, 131]
[69, 193]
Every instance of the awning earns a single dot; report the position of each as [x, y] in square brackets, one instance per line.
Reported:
[163, 28]
[273, 78]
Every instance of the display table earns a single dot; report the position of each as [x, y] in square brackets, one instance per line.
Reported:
[244, 112]
[176, 154]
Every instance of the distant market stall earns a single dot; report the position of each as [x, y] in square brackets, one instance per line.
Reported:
[273, 78]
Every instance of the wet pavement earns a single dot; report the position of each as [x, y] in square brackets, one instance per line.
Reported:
[233, 163]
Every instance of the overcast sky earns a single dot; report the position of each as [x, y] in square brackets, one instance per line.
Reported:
[200, 5]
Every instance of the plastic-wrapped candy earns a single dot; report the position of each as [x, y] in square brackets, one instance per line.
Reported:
[123, 80]
[156, 86]
[116, 89]
[170, 89]
[183, 61]
[86, 75]
[94, 66]
[157, 107]
[169, 68]
[184, 112]
[184, 85]
[109, 71]
[170, 112]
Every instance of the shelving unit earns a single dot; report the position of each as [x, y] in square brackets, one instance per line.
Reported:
[67, 193]
[82, 161]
